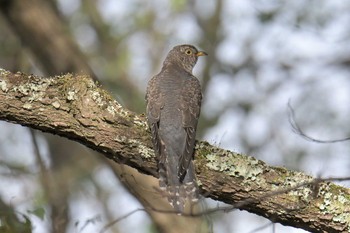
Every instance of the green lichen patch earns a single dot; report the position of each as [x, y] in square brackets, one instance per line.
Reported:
[97, 97]
[142, 149]
[334, 202]
[27, 106]
[4, 72]
[234, 164]
[121, 139]
[140, 122]
[111, 109]
[56, 104]
[122, 111]
[3, 86]
[71, 95]
[104, 101]
[70, 87]
[33, 89]
[100, 96]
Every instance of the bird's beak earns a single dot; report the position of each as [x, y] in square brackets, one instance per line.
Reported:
[201, 53]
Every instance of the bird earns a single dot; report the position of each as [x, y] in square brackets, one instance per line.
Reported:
[173, 103]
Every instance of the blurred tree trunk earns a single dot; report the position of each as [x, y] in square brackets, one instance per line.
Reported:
[40, 29]
[144, 188]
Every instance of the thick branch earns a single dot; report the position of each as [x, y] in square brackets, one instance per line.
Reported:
[76, 108]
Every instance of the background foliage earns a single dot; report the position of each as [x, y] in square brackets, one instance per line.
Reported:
[262, 54]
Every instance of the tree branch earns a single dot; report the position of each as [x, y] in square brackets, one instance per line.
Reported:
[73, 106]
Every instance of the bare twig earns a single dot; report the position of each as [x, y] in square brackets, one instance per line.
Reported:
[297, 129]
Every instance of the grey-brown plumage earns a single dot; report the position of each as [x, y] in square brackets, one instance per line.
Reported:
[173, 106]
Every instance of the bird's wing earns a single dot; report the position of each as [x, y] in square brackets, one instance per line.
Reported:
[154, 102]
[190, 107]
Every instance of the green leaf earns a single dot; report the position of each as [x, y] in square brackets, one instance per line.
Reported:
[39, 212]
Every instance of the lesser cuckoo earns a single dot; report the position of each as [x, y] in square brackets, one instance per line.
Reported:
[173, 106]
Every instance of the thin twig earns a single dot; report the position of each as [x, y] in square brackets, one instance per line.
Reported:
[296, 128]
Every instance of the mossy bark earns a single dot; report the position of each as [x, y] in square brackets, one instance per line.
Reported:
[75, 107]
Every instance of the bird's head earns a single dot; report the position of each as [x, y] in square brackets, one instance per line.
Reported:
[185, 56]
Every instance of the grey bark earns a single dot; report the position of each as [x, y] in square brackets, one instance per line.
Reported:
[75, 108]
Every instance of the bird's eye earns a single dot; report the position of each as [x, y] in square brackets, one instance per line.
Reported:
[188, 51]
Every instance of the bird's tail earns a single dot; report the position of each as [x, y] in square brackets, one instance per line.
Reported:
[178, 194]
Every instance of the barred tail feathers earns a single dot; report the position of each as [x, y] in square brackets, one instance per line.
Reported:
[176, 192]
[179, 194]
[190, 184]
